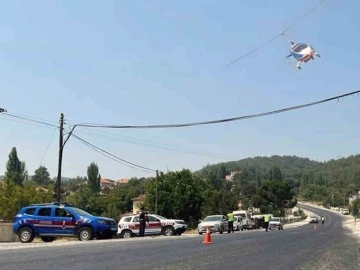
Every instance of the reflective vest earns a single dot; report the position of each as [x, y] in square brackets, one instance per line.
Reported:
[266, 218]
[230, 217]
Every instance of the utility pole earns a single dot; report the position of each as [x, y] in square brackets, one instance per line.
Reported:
[61, 147]
[156, 194]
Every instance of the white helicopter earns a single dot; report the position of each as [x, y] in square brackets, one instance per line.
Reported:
[302, 53]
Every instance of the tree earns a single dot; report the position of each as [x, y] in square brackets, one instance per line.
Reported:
[273, 195]
[93, 177]
[179, 195]
[41, 176]
[15, 169]
[275, 174]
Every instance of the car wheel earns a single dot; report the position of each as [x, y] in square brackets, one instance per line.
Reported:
[26, 235]
[85, 234]
[221, 230]
[47, 239]
[126, 234]
[168, 231]
[200, 233]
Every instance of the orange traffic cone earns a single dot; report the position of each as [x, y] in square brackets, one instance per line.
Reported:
[207, 239]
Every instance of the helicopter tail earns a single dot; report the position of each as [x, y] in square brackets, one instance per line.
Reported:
[289, 55]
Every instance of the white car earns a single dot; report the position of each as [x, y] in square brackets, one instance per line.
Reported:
[215, 223]
[276, 222]
[237, 223]
[313, 219]
[129, 226]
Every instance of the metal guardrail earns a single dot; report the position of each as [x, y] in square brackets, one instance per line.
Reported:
[6, 233]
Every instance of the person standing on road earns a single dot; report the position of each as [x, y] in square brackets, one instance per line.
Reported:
[230, 217]
[266, 221]
[322, 220]
[143, 219]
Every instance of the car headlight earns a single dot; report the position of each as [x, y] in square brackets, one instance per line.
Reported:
[101, 221]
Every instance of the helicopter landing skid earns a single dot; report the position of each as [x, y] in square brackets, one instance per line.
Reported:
[297, 65]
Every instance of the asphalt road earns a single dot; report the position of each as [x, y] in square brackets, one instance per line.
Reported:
[327, 247]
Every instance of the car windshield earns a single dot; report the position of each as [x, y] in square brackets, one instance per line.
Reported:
[313, 217]
[240, 215]
[161, 217]
[80, 212]
[213, 218]
[275, 219]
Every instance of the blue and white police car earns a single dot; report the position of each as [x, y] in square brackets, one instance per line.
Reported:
[51, 220]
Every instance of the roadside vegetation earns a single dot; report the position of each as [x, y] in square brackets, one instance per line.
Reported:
[270, 184]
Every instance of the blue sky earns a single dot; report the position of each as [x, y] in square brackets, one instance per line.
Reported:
[157, 62]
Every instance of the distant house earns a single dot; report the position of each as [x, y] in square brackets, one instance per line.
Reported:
[353, 197]
[122, 181]
[106, 183]
[41, 189]
[137, 203]
[230, 177]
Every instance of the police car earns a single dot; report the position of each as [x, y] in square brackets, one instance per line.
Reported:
[129, 226]
[51, 220]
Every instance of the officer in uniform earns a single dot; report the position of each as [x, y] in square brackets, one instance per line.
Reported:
[143, 219]
[266, 221]
[230, 217]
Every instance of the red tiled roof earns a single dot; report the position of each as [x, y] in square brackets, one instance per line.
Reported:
[122, 181]
[139, 198]
[108, 181]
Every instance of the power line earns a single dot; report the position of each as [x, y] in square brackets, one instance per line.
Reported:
[29, 119]
[125, 139]
[220, 120]
[281, 34]
[157, 145]
[113, 157]
[48, 146]
[28, 122]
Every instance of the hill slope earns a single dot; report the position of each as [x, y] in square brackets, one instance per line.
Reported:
[289, 165]
[330, 182]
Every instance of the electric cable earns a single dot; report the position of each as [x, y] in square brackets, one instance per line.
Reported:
[157, 145]
[280, 34]
[28, 119]
[27, 122]
[113, 157]
[220, 120]
[125, 139]
[48, 146]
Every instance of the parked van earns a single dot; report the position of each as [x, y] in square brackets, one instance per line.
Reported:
[247, 222]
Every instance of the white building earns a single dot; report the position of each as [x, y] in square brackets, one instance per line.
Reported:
[354, 197]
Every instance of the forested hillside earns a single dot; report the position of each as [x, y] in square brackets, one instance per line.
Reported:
[289, 165]
[331, 182]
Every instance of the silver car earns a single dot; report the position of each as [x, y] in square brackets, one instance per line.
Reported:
[215, 223]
